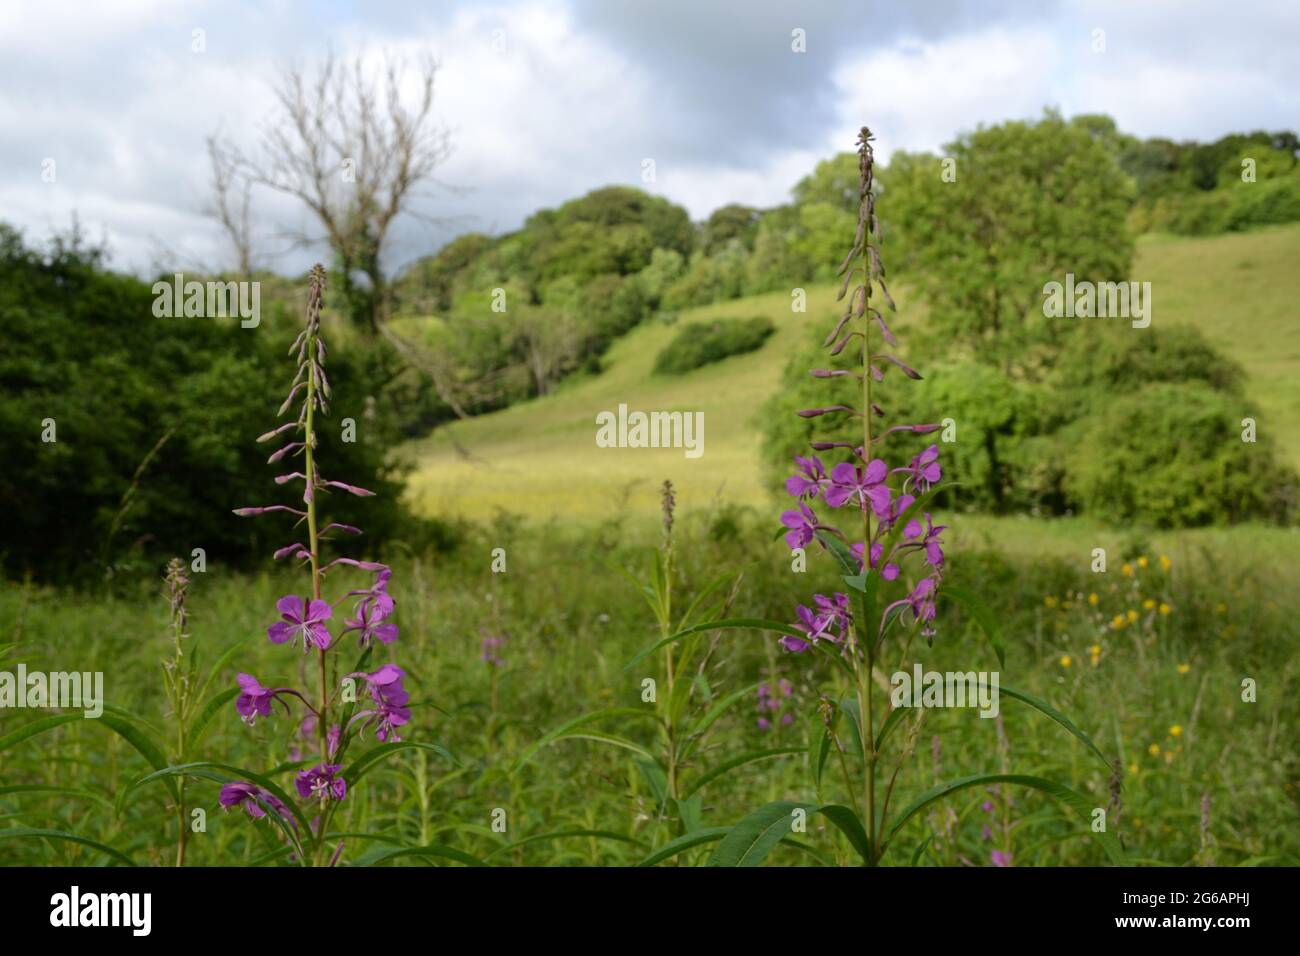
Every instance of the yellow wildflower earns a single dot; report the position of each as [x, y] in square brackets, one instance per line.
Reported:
[1065, 660]
[1148, 604]
[1133, 769]
[1143, 562]
[1132, 615]
[1050, 600]
[1175, 731]
[1118, 622]
[1093, 599]
[1165, 563]
[1165, 608]
[1154, 750]
[1127, 570]
[1184, 668]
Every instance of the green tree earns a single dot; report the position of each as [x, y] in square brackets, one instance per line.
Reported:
[1029, 202]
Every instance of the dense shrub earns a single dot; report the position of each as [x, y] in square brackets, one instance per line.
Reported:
[83, 349]
[702, 343]
[1171, 455]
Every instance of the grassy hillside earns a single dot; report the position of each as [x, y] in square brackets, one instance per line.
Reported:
[541, 458]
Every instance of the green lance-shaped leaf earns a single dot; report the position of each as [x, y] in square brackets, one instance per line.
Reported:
[684, 843]
[570, 729]
[750, 841]
[433, 851]
[371, 758]
[215, 671]
[122, 722]
[31, 833]
[721, 769]
[1071, 798]
[891, 723]
[202, 721]
[696, 732]
[1045, 708]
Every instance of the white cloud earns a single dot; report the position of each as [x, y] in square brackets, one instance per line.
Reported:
[580, 96]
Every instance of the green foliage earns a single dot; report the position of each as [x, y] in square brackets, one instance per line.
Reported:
[1078, 440]
[155, 441]
[1030, 202]
[700, 343]
[1171, 454]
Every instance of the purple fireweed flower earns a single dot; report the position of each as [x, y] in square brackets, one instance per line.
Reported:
[321, 782]
[932, 544]
[390, 698]
[811, 478]
[924, 470]
[835, 611]
[831, 614]
[491, 644]
[308, 622]
[802, 524]
[921, 602]
[999, 858]
[808, 624]
[889, 572]
[866, 485]
[254, 700]
[770, 703]
[370, 621]
[896, 510]
[252, 797]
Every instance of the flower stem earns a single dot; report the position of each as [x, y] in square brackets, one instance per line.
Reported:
[869, 639]
[322, 713]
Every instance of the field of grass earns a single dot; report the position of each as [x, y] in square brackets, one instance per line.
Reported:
[1161, 694]
[541, 459]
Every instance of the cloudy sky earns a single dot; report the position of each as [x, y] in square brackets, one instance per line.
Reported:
[546, 99]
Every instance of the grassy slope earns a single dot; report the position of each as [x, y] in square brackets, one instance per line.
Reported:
[541, 459]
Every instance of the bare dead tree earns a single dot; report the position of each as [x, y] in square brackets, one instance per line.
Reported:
[347, 143]
[231, 201]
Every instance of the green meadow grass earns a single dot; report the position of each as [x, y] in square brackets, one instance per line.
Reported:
[1161, 695]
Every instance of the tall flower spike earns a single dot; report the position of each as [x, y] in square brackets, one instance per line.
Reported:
[307, 617]
[863, 482]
